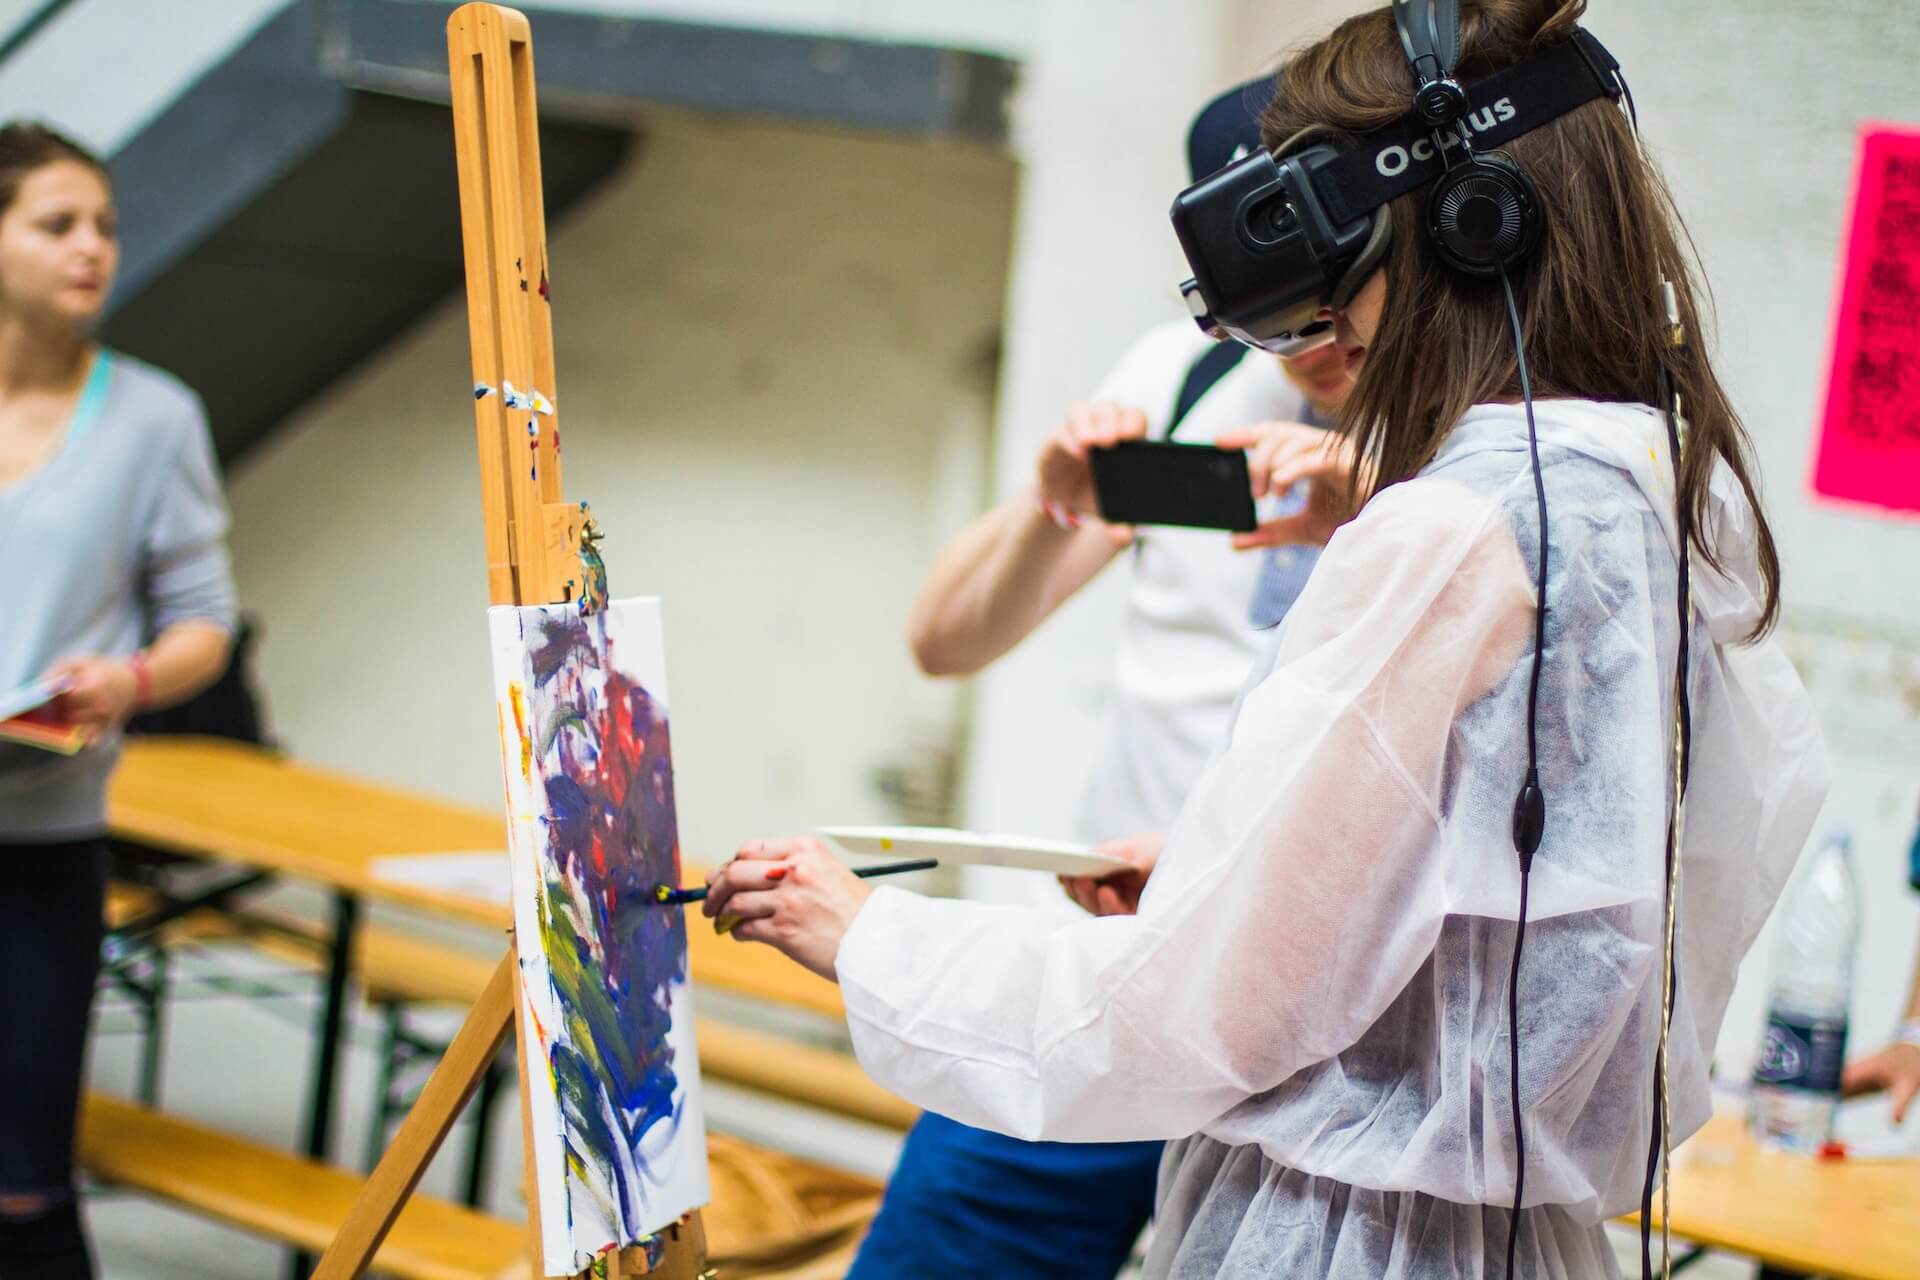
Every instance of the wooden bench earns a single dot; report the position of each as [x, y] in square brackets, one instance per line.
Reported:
[273, 1193]
[769, 1210]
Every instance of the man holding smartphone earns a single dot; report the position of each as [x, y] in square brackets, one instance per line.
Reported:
[1197, 616]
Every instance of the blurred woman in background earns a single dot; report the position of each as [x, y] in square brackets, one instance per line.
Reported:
[117, 598]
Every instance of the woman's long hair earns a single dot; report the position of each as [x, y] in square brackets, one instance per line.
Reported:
[1589, 294]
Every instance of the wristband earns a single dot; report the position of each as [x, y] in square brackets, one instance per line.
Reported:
[1053, 511]
[1909, 1033]
[142, 679]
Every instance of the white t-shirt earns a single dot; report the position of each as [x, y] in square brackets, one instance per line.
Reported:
[1188, 638]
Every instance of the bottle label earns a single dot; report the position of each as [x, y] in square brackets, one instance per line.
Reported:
[1802, 1053]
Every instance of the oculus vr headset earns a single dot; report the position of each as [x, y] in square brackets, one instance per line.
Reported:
[1274, 238]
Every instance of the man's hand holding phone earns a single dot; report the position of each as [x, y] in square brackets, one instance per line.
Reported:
[1281, 455]
[1065, 479]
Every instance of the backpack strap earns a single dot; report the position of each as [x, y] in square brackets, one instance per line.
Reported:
[1215, 363]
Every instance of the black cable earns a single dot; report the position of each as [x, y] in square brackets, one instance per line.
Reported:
[1683, 520]
[1513, 1067]
[1530, 806]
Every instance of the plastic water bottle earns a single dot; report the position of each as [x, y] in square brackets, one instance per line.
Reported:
[1796, 1083]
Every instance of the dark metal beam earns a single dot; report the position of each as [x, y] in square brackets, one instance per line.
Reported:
[234, 133]
[592, 65]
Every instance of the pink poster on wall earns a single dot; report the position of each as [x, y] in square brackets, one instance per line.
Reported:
[1868, 449]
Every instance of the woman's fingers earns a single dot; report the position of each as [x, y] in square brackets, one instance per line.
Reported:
[1902, 1095]
[1895, 1069]
[744, 874]
[751, 851]
[1083, 892]
[750, 904]
[776, 850]
[1865, 1075]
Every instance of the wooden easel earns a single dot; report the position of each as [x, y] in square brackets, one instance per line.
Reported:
[533, 557]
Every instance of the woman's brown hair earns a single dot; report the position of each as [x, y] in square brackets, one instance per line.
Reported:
[25, 147]
[1588, 295]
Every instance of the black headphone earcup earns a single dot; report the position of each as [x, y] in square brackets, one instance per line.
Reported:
[1483, 214]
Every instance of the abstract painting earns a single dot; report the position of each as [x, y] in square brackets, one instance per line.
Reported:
[614, 1086]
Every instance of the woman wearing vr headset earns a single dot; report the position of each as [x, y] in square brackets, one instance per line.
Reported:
[1312, 999]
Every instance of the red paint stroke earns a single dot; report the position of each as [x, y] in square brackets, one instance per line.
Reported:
[1868, 448]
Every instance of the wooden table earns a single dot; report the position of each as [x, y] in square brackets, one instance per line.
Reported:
[1848, 1219]
[213, 798]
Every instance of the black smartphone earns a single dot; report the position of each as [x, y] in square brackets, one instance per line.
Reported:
[1195, 485]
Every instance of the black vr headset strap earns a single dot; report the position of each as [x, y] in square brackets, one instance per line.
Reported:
[1431, 40]
[1513, 101]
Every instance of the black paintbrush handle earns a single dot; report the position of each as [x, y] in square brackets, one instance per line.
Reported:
[680, 897]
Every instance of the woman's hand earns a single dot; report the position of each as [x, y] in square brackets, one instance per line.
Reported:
[1065, 476]
[1118, 893]
[100, 692]
[1896, 1069]
[1279, 456]
[790, 894]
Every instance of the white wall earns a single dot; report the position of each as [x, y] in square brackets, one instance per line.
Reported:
[994, 26]
[1100, 125]
[102, 69]
[774, 352]
[1753, 113]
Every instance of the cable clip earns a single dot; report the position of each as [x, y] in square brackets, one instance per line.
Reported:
[1676, 328]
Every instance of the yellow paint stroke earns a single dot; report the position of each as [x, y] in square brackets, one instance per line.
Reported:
[519, 700]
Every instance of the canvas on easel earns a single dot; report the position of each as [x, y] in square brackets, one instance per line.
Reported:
[619, 1146]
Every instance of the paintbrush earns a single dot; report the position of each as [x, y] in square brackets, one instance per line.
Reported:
[679, 897]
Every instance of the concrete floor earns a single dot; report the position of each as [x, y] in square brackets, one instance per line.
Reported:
[242, 1065]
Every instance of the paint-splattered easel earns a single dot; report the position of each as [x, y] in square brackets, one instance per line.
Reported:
[539, 551]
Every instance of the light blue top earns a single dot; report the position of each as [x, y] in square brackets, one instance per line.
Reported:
[118, 536]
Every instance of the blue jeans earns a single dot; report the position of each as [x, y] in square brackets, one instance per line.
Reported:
[964, 1202]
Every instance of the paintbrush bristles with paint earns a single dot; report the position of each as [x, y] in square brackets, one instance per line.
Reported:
[679, 897]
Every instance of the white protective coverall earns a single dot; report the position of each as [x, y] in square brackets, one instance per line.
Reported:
[1312, 997]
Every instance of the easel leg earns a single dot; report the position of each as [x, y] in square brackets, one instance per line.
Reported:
[425, 1128]
[477, 1158]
